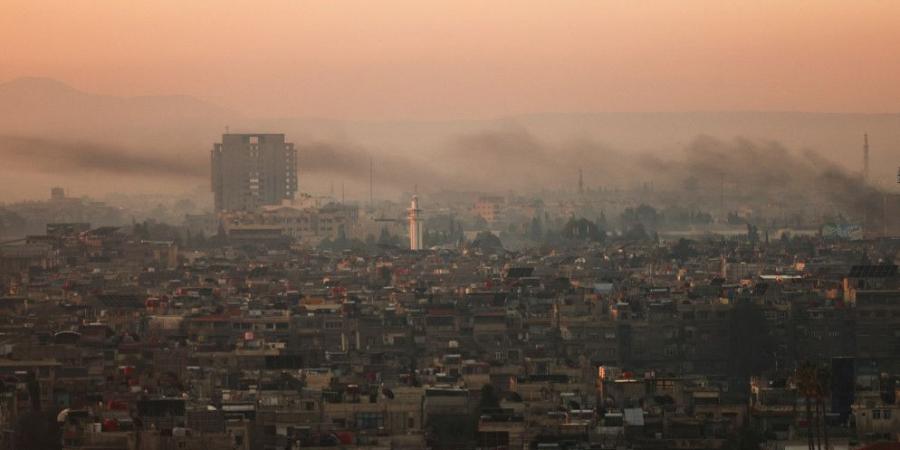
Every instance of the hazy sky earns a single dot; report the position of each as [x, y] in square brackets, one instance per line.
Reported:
[383, 59]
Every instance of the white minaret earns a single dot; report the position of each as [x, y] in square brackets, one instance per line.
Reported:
[415, 224]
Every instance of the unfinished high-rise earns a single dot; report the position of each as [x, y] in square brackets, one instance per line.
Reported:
[252, 170]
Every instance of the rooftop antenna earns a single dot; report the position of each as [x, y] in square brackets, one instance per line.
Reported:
[580, 182]
[722, 192]
[866, 157]
[342, 192]
[371, 184]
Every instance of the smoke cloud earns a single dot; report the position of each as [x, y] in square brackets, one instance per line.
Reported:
[80, 158]
[347, 161]
[764, 174]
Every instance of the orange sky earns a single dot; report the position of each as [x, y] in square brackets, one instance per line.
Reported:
[388, 59]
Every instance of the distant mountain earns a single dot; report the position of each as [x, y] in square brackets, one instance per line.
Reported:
[45, 107]
[183, 128]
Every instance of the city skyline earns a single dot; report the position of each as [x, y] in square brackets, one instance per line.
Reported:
[53, 134]
[449, 224]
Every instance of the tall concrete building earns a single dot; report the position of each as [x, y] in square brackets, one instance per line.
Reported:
[414, 214]
[252, 170]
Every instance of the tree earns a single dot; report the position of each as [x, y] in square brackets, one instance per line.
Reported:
[385, 239]
[807, 386]
[142, 231]
[601, 221]
[813, 385]
[636, 232]
[536, 230]
[752, 234]
[683, 250]
[200, 240]
[582, 229]
[785, 238]
[644, 215]
[647, 216]
[326, 244]
[823, 381]
[487, 241]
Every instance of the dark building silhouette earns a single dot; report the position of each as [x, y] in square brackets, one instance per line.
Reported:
[251, 170]
[842, 386]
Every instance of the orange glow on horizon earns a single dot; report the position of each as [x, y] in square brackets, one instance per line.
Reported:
[458, 59]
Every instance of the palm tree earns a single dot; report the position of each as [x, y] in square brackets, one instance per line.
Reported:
[813, 384]
[807, 386]
[818, 422]
[823, 379]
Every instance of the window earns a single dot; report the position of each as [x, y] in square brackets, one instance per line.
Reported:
[665, 384]
[876, 414]
[368, 421]
[886, 414]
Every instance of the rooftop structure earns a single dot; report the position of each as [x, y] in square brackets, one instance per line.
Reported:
[415, 224]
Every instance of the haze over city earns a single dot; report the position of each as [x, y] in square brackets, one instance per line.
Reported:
[411, 80]
[449, 224]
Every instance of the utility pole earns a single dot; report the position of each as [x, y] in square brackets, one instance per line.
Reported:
[866, 157]
[722, 194]
[580, 182]
[371, 184]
